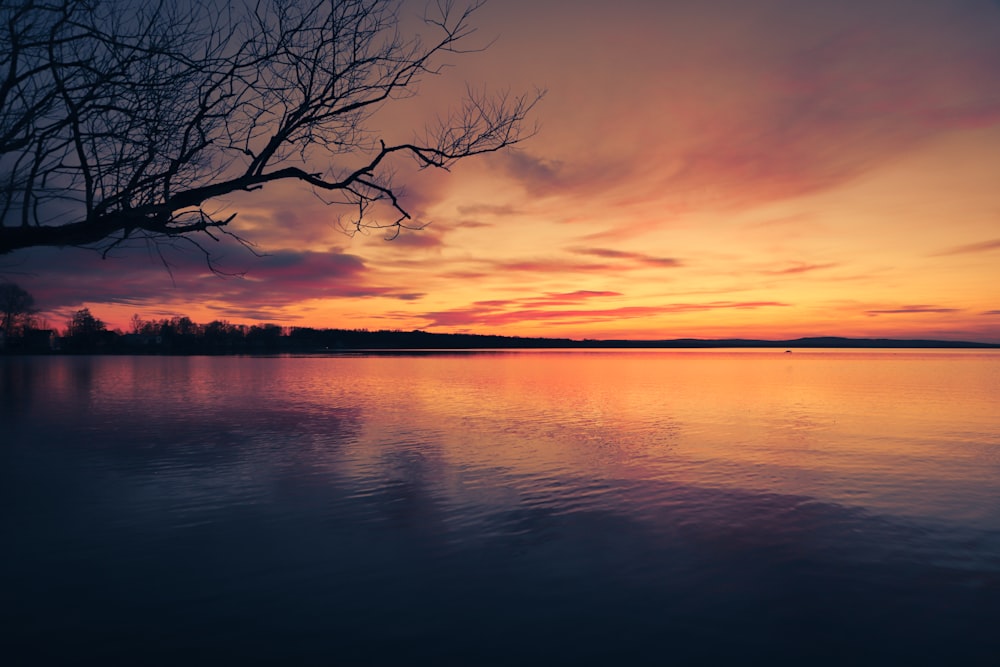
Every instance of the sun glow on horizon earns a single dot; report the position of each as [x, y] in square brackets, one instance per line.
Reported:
[764, 172]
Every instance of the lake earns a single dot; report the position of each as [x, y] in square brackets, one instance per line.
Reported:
[503, 508]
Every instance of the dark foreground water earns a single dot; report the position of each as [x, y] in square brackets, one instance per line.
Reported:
[528, 508]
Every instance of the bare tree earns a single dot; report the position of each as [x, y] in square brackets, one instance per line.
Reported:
[83, 323]
[17, 309]
[122, 120]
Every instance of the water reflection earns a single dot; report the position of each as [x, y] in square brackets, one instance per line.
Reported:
[531, 509]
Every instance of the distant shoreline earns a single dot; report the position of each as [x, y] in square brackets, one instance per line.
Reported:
[273, 340]
[829, 342]
[674, 344]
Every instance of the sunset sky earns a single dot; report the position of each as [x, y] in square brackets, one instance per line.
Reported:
[703, 168]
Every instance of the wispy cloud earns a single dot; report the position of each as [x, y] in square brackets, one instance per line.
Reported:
[491, 314]
[908, 310]
[638, 258]
[499, 210]
[551, 266]
[615, 261]
[818, 97]
[799, 267]
[427, 238]
[538, 174]
[548, 299]
[982, 246]
[274, 284]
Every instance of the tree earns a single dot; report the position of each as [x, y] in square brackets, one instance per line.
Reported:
[17, 307]
[85, 333]
[122, 120]
[84, 325]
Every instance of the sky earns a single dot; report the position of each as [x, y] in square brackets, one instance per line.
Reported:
[703, 168]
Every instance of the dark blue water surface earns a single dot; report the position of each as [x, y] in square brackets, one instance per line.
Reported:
[530, 508]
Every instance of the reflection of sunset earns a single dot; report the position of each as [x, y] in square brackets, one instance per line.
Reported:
[881, 429]
[891, 431]
[380, 505]
[710, 169]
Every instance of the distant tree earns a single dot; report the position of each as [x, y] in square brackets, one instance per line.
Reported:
[222, 336]
[264, 336]
[17, 308]
[84, 331]
[124, 120]
[183, 326]
[84, 323]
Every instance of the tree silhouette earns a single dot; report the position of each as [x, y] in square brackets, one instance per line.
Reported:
[84, 324]
[17, 307]
[84, 332]
[122, 120]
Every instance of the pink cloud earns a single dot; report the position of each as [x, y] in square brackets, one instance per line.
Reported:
[423, 239]
[983, 246]
[617, 261]
[549, 299]
[479, 315]
[273, 283]
[789, 99]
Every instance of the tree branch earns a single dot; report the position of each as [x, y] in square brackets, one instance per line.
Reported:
[122, 121]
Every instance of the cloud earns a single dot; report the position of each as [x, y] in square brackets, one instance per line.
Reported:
[492, 314]
[617, 261]
[548, 299]
[639, 258]
[272, 284]
[465, 275]
[594, 174]
[800, 267]
[550, 266]
[536, 173]
[488, 209]
[472, 224]
[786, 99]
[578, 295]
[982, 246]
[907, 310]
[285, 214]
[422, 239]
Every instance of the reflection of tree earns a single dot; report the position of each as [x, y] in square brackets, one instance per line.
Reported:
[123, 120]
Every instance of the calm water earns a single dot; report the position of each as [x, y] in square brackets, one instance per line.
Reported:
[664, 507]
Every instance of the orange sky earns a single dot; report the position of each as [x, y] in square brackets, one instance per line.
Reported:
[704, 168]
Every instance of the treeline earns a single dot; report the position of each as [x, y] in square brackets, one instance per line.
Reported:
[22, 333]
[184, 336]
[86, 334]
[179, 335]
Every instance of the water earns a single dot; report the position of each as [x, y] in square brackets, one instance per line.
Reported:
[639, 507]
